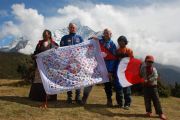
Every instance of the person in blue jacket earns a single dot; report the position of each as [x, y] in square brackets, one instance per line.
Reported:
[108, 50]
[71, 39]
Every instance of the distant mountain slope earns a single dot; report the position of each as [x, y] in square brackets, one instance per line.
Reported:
[9, 63]
[170, 74]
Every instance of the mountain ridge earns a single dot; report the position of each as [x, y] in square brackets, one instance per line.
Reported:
[23, 45]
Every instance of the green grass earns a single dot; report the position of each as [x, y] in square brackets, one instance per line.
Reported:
[15, 105]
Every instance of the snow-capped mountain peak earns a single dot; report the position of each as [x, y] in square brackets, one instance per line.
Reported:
[23, 45]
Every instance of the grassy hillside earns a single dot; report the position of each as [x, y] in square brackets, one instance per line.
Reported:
[15, 105]
[9, 63]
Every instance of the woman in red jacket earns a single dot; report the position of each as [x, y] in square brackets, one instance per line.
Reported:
[37, 91]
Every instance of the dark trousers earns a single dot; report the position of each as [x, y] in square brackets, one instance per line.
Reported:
[77, 97]
[108, 90]
[87, 91]
[121, 93]
[123, 96]
[127, 96]
[151, 94]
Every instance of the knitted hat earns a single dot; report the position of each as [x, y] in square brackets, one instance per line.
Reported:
[149, 58]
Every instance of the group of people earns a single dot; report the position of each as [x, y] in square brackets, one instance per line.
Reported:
[112, 56]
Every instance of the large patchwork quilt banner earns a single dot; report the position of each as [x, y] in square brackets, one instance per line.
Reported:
[72, 67]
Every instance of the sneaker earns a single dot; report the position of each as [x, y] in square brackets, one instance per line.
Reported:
[162, 117]
[148, 114]
[126, 107]
[120, 106]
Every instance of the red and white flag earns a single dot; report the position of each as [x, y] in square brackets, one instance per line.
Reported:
[128, 72]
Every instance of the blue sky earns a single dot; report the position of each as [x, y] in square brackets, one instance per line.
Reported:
[49, 8]
[148, 24]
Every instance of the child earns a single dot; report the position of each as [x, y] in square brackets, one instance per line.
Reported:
[125, 92]
[149, 73]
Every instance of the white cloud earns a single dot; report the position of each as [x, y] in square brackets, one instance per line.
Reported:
[9, 28]
[150, 29]
[31, 23]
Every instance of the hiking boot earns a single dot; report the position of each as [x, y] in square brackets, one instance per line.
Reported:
[162, 117]
[79, 102]
[69, 101]
[109, 103]
[120, 105]
[78, 99]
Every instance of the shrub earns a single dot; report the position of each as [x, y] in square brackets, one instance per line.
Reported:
[176, 90]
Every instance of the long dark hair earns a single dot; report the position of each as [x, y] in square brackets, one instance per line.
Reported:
[44, 33]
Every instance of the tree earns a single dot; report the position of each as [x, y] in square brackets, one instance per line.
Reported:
[27, 70]
[176, 90]
[164, 90]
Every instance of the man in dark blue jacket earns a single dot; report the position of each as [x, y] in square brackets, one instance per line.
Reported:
[71, 39]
